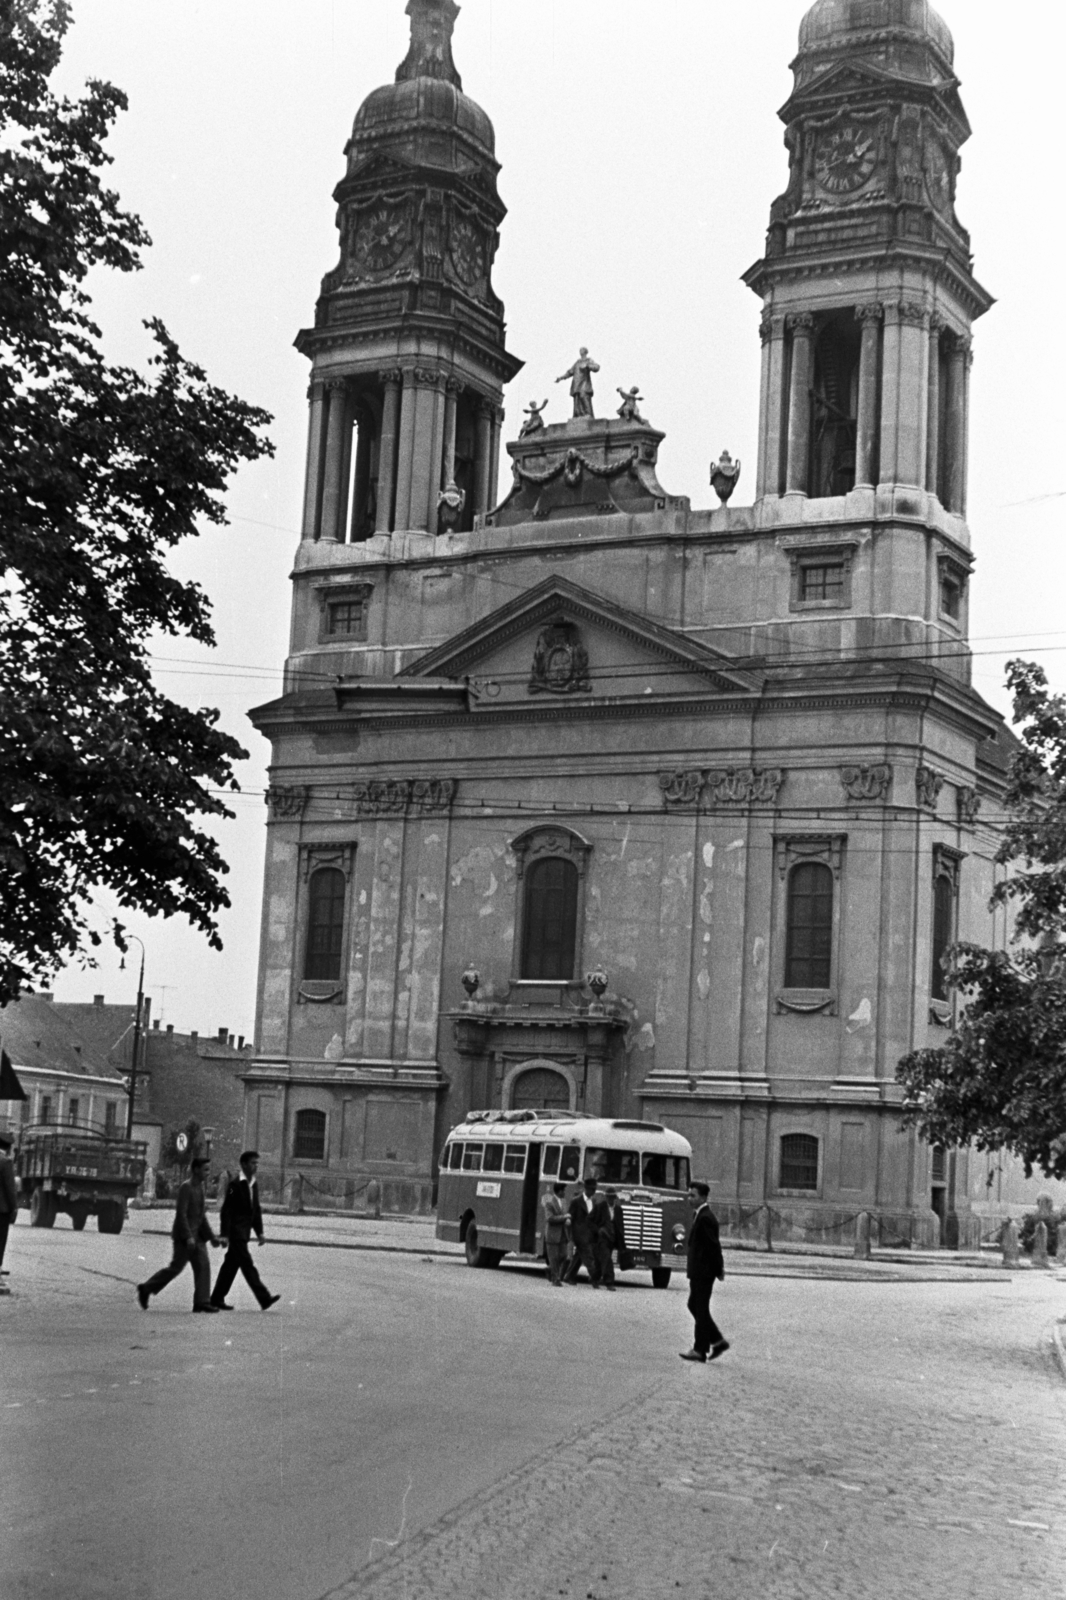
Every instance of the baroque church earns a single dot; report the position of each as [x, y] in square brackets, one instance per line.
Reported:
[583, 798]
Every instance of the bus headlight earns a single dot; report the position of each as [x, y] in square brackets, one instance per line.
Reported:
[679, 1232]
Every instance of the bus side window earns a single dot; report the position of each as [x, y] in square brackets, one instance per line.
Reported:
[570, 1165]
[493, 1161]
[515, 1159]
[456, 1159]
[472, 1158]
[550, 1165]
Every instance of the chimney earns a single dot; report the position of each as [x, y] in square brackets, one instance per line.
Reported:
[155, 1025]
[170, 1028]
[98, 999]
[240, 1042]
[222, 1035]
[194, 1036]
[46, 994]
[229, 1041]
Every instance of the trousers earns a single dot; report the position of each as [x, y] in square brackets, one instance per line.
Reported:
[238, 1259]
[187, 1253]
[5, 1223]
[699, 1304]
[604, 1261]
[584, 1256]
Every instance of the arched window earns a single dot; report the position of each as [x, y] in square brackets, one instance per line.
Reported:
[809, 923]
[799, 1161]
[325, 924]
[540, 1089]
[309, 1142]
[549, 922]
[943, 932]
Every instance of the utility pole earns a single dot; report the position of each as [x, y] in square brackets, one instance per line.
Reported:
[137, 1030]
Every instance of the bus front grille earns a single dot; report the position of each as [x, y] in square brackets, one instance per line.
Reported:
[643, 1226]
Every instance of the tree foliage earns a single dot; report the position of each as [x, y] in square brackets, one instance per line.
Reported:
[102, 471]
[1000, 1079]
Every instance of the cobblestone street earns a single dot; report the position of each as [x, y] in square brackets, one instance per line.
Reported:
[401, 1428]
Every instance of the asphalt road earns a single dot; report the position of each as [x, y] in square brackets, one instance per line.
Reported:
[437, 1432]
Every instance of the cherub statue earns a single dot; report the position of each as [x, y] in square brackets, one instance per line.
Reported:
[628, 409]
[580, 375]
[534, 421]
[724, 475]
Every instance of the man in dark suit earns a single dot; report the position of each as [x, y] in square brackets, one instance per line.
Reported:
[705, 1269]
[191, 1234]
[584, 1226]
[607, 1217]
[9, 1200]
[239, 1218]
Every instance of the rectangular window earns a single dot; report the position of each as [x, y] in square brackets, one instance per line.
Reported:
[72, 1112]
[938, 1163]
[346, 619]
[110, 1118]
[570, 1165]
[46, 1108]
[550, 1164]
[455, 1158]
[809, 931]
[493, 1161]
[612, 1166]
[325, 925]
[823, 581]
[515, 1159]
[799, 1161]
[950, 596]
[472, 1157]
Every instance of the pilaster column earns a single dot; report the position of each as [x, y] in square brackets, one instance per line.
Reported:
[405, 451]
[482, 449]
[496, 433]
[799, 403]
[968, 368]
[955, 423]
[452, 390]
[358, 526]
[332, 482]
[866, 431]
[316, 428]
[390, 419]
[770, 477]
[890, 397]
[932, 426]
[427, 445]
[913, 393]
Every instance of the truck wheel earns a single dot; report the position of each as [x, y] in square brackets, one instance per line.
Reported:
[110, 1217]
[79, 1216]
[42, 1208]
[660, 1277]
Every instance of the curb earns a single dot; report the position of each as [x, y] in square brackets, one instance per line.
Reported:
[1057, 1346]
[319, 1244]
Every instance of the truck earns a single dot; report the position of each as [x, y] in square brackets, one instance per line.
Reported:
[78, 1171]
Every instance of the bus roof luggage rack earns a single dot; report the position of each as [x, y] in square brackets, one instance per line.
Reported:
[645, 1127]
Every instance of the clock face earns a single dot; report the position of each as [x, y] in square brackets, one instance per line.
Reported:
[467, 251]
[938, 176]
[381, 238]
[845, 157]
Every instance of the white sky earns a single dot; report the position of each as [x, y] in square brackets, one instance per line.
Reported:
[640, 150]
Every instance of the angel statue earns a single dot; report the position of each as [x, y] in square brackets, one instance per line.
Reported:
[628, 409]
[534, 421]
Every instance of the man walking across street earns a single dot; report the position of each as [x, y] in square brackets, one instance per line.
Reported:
[608, 1217]
[9, 1200]
[240, 1217]
[705, 1269]
[556, 1226]
[191, 1234]
[583, 1226]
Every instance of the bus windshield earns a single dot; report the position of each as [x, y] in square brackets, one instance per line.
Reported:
[612, 1166]
[665, 1172]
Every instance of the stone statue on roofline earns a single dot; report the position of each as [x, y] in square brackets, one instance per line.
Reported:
[628, 409]
[534, 422]
[580, 375]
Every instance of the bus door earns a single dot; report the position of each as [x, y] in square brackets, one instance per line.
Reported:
[527, 1239]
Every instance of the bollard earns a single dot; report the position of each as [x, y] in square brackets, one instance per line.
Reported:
[1060, 1253]
[373, 1197]
[296, 1194]
[1009, 1241]
[1040, 1245]
[769, 1230]
[862, 1236]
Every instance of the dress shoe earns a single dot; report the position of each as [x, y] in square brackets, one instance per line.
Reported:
[271, 1300]
[692, 1355]
[221, 1305]
[610, 1286]
[718, 1349]
[206, 1309]
[142, 1297]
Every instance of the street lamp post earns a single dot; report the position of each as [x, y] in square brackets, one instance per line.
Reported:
[136, 1037]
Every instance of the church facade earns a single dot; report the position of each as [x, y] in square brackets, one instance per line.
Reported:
[581, 797]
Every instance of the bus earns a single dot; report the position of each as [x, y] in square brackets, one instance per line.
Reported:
[496, 1165]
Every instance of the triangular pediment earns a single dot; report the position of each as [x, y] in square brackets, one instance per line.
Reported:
[561, 639]
[844, 78]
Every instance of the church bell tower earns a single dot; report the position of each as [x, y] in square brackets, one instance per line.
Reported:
[408, 350]
[867, 283]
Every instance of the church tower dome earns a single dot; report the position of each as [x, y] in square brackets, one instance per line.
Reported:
[408, 348]
[867, 281]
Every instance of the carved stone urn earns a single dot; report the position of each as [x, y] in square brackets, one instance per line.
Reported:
[724, 475]
[471, 982]
[597, 982]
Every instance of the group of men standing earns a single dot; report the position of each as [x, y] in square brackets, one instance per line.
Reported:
[240, 1217]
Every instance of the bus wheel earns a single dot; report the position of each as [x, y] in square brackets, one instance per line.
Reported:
[79, 1215]
[478, 1255]
[660, 1277]
[42, 1208]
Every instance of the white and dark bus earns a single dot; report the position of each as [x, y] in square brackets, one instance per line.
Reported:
[496, 1165]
